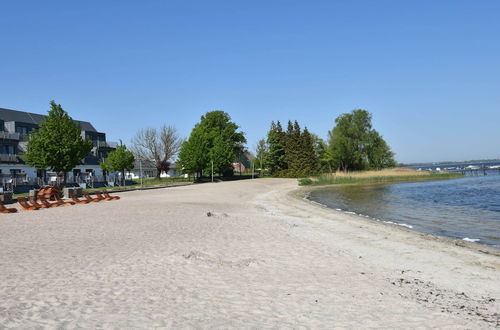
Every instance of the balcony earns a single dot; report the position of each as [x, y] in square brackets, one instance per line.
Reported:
[9, 158]
[104, 144]
[9, 136]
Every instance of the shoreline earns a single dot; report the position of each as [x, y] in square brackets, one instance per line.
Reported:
[306, 190]
[301, 194]
[241, 254]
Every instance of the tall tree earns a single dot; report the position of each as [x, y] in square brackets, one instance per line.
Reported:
[261, 151]
[193, 156]
[119, 160]
[322, 154]
[57, 144]
[308, 163]
[215, 138]
[355, 145]
[156, 145]
[276, 156]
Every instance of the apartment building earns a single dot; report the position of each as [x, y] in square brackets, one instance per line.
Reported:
[15, 127]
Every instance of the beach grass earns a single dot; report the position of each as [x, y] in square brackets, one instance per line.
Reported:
[389, 175]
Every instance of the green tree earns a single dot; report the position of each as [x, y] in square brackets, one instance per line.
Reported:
[308, 161]
[57, 144]
[193, 157]
[261, 151]
[222, 154]
[379, 153]
[291, 153]
[322, 154]
[275, 159]
[355, 145]
[119, 160]
[215, 138]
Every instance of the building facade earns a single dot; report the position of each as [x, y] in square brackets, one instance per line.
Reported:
[15, 127]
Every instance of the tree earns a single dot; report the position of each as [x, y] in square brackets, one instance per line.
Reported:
[193, 157]
[261, 151]
[119, 160]
[276, 156]
[379, 153]
[158, 146]
[57, 144]
[308, 161]
[222, 154]
[291, 153]
[355, 145]
[215, 138]
[322, 154]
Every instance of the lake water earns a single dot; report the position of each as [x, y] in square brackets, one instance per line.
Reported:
[465, 208]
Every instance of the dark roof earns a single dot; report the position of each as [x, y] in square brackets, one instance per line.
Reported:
[35, 118]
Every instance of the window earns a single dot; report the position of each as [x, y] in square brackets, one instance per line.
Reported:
[22, 130]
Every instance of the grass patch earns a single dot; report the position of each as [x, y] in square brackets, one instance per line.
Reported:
[392, 175]
[146, 182]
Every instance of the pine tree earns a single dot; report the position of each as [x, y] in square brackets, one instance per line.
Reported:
[308, 159]
[276, 154]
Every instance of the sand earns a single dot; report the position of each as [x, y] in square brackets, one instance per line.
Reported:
[245, 254]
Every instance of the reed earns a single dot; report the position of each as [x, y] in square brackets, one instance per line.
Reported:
[391, 175]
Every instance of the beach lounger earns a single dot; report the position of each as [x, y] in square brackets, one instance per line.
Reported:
[63, 203]
[107, 195]
[101, 197]
[75, 199]
[34, 203]
[90, 199]
[4, 209]
[45, 202]
[24, 204]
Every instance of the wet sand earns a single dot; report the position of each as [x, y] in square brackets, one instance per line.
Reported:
[246, 254]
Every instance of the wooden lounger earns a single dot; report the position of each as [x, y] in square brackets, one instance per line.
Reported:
[101, 197]
[4, 209]
[75, 199]
[107, 195]
[90, 199]
[34, 203]
[45, 202]
[63, 203]
[24, 204]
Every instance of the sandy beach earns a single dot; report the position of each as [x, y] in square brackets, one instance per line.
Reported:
[247, 254]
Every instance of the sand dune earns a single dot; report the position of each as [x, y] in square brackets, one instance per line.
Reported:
[234, 255]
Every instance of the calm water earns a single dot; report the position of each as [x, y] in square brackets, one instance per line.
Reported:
[460, 208]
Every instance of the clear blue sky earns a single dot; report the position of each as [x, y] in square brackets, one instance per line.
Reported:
[428, 71]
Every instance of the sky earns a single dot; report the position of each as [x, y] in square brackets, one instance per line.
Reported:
[428, 71]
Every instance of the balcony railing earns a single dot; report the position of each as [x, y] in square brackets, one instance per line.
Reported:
[9, 136]
[103, 144]
[9, 158]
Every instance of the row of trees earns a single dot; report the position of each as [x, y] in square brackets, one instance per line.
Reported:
[290, 152]
[353, 144]
[215, 143]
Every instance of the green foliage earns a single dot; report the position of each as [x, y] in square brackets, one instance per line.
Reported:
[355, 145]
[119, 160]
[326, 179]
[322, 154]
[275, 159]
[57, 143]
[215, 138]
[193, 157]
[261, 152]
[291, 153]
[222, 154]
[305, 182]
